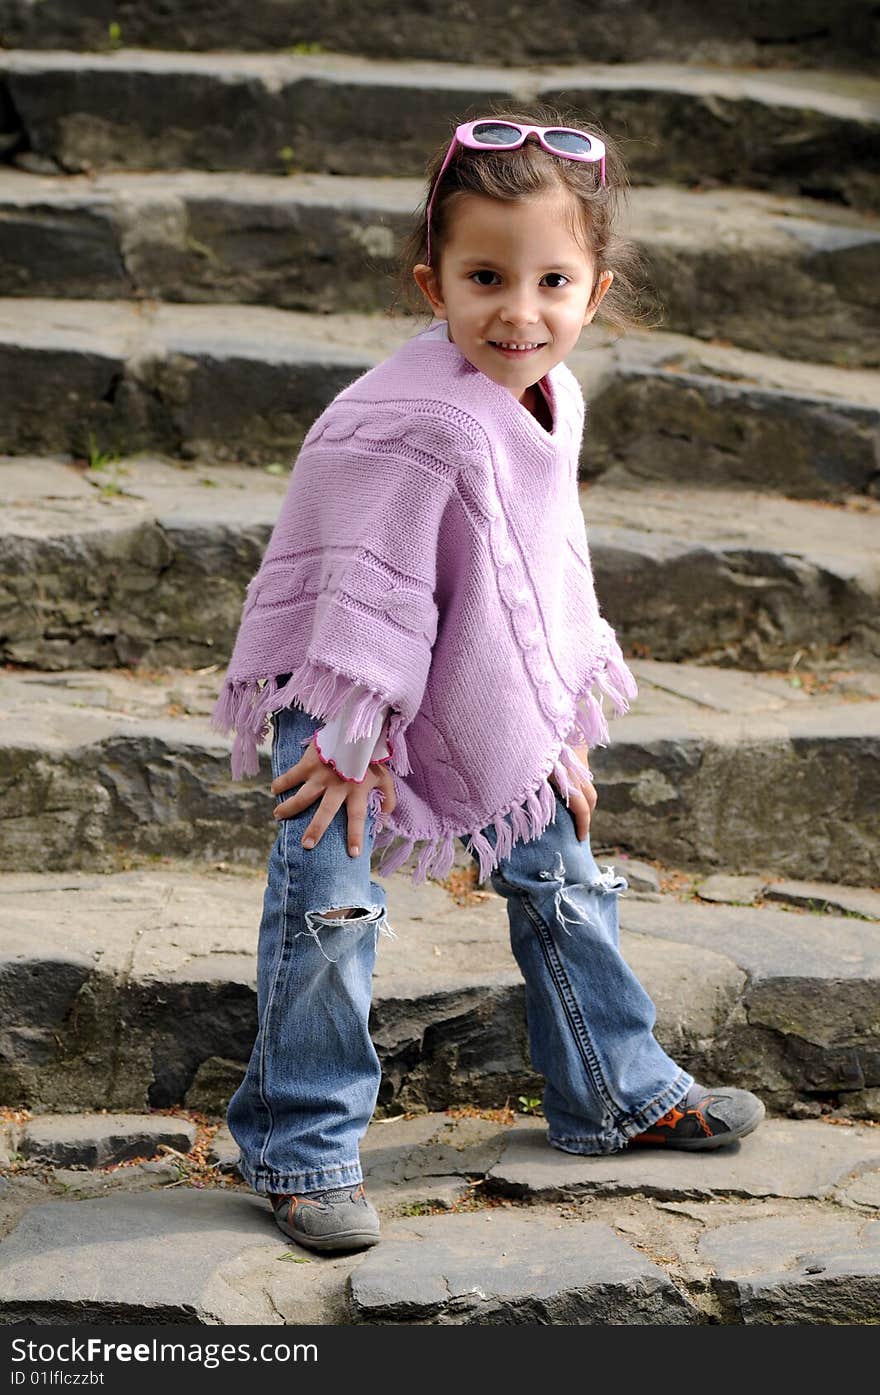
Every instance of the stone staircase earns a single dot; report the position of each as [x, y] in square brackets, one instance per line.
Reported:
[195, 256]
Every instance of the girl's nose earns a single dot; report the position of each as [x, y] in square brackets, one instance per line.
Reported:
[518, 310]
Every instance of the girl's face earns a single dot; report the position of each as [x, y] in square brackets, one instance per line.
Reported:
[513, 273]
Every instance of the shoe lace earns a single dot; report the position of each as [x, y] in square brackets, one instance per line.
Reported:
[330, 1194]
[342, 1194]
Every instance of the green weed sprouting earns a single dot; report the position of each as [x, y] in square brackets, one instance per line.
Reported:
[99, 459]
[529, 1104]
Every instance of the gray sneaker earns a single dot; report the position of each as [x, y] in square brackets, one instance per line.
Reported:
[705, 1118]
[339, 1219]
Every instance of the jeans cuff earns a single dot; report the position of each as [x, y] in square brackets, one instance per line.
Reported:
[588, 1145]
[638, 1123]
[318, 1180]
[617, 1135]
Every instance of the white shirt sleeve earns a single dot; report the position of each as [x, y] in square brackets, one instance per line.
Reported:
[351, 758]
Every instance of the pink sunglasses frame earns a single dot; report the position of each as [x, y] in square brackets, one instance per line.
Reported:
[464, 136]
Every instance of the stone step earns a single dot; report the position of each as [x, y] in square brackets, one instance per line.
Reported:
[795, 277]
[809, 133]
[803, 34]
[99, 1140]
[481, 1222]
[137, 989]
[713, 769]
[98, 567]
[811, 896]
[245, 382]
[668, 408]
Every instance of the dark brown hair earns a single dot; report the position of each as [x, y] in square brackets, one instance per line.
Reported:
[509, 175]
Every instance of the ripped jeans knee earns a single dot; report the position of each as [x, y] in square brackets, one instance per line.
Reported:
[604, 883]
[351, 920]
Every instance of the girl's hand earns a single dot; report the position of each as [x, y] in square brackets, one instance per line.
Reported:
[319, 781]
[583, 799]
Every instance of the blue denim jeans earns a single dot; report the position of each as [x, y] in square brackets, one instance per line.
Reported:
[313, 1077]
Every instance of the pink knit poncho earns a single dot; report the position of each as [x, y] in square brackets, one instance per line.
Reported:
[431, 547]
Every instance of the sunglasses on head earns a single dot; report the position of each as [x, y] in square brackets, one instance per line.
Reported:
[487, 133]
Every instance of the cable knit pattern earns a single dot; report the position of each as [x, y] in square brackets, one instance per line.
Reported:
[431, 552]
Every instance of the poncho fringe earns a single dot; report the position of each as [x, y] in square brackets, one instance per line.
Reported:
[246, 707]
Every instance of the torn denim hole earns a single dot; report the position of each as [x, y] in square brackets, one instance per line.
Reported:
[607, 881]
[322, 920]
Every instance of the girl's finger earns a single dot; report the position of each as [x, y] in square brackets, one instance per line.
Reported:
[327, 811]
[580, 812]
[356, 814]
[383, 782]
[301, 799]
[389, 798]
[293, 775]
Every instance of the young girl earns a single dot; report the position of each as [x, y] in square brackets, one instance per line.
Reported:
[424, 640]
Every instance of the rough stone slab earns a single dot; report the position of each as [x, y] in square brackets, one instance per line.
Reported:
[865, 1104]
[152, 982]
[544, 1264]
[800, 133]
[245, 382]
[134, 766]
[665, 407]
[97, 1140]
[426, 1160]
[493, 1268]
[766, 943]
[823, 1037]
[697, 998]
[107, 1260]
[146, 537]
[774, 274]
[138, 1177]
[422, 1197]
[780, 1159]
[761, 271]
[39, 230]
[432, 1145]
[810, 896]
[715, 787]
[99, 567]
[746, 590]
[823, 1269]
[821, 896]
[117, 378]
[863, 1191]
[298, 243]
[181, 981]
[231, 1264]
[223, 1151]
[808, 35]
[413, 1164]
[728, 890]
[213, 1085]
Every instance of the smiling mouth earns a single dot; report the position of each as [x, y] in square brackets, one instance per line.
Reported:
[510, 347]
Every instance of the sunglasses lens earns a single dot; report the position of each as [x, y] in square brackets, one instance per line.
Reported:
[569, 142]
[495, 134]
